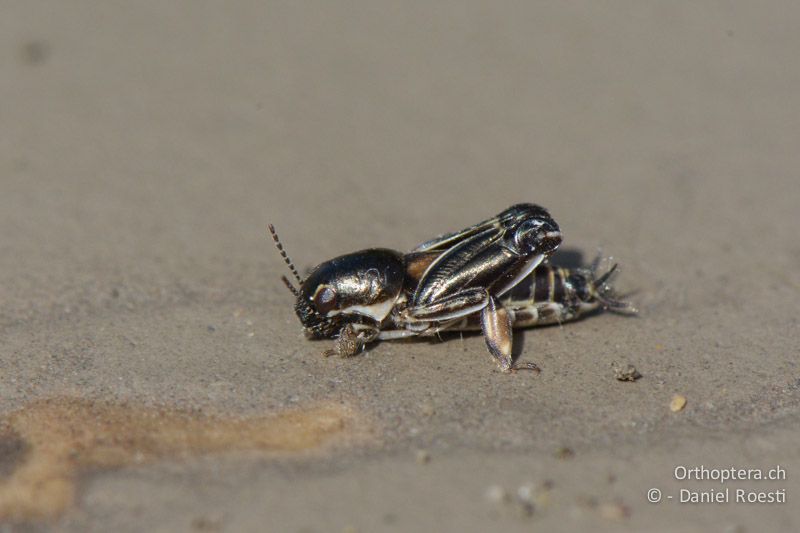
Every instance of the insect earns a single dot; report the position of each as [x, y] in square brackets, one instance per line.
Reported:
[483, 277]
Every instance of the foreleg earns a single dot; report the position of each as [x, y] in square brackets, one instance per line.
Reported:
[350, 341]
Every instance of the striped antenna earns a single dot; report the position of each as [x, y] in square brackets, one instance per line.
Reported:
[286, 259]
[290, 286]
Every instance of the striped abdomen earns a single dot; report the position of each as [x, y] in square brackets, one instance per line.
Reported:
[550, 295]
[547, 284]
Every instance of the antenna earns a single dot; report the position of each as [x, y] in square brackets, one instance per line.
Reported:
[288, 262]
[290, 286]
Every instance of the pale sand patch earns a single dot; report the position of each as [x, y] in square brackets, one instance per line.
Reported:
[53, 439]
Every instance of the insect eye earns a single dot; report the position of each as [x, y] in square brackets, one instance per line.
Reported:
[325, 300]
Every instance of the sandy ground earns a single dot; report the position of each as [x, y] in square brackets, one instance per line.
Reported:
[145, 146]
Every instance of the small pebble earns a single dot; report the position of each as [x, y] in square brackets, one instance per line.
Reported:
[35, 52]
[678, 402]
[626, 373]
[205, 523]
[496, 494]
[525, 509]
[564, 453]
[542, 498]
[613, 511]
[423, 457]
[584, 500]
[525, 493]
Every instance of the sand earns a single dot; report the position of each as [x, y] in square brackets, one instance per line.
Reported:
[146, 147]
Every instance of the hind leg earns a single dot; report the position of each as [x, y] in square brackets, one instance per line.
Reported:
[498, 334]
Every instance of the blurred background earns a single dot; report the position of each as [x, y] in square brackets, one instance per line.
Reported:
[196, 123]
[145, 146]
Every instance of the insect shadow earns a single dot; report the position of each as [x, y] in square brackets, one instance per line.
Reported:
[571, 258]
